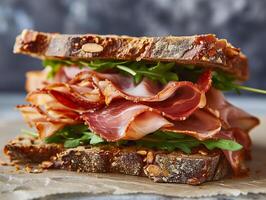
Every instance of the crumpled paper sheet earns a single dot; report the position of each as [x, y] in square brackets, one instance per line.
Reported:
[22, 185]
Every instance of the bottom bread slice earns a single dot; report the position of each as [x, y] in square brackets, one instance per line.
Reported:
[160, 166]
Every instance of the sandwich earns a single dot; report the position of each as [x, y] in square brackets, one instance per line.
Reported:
[142, 106]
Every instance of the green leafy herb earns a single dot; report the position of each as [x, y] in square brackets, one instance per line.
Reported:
[242, 87]
[72, 143]
[222, 144]
[226, 82]
[30, 133]
[76, 135]
[170, 141]
[160, 71]
[53, 66]
[126, 69]
[73, 136]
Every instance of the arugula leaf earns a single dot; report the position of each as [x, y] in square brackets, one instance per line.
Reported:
[95, 139]
[92, 138]
[159, 72]
[73, 136]
[225, 82]
[76, 135]
[169, 145]
[30, 133]
[222, 144]
[167, 135]
[126, 69]
[72, 143]
[242, 87]
[170, 141]
[164, 69]
[101, 65]
[53, 66]
[55, 138]
[162, 72]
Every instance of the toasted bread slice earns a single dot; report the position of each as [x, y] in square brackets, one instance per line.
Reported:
[159, 166]
[200, 50]
[26, 149]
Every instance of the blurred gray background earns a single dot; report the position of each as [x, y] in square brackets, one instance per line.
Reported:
[242, 22]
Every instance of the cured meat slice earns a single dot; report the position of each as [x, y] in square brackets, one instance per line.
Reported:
[232, 116]
[47, 123]
[236, 158]
[128, 120]
[201, 125]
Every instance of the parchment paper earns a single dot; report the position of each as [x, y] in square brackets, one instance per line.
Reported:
[22, 185]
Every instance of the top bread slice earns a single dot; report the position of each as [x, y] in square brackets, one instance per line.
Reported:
[201, 50]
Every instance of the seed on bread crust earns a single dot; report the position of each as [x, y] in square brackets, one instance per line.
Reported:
[150, 157]
[46, 164]
[142, 152]
[92, 48]
[153, 170]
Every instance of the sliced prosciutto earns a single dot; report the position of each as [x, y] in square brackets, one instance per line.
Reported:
[131, 121]
[78, 98]
[86, 95]
[201, 125]
[39, 79]
[236, 158]
[204, 81]
[125, 120]
[176, 100]
[232, 116]
[116, 86]
[36, 80]
[66, 74]
[47, 122]
[89, 90]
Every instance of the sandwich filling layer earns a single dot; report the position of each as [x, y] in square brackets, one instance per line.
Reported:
[155, 105]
